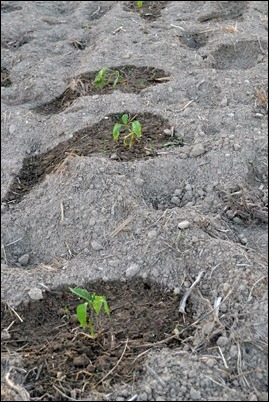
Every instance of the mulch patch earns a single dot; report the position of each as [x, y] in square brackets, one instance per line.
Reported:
[60, 357]
[96, 139]
[133, 80]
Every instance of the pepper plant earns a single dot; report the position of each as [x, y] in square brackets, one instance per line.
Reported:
[94, 303]
[133, 128]
[107, 76]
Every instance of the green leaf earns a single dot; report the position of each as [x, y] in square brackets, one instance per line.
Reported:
[82, 314]
[97, 304]
[136, 128]
[139, 4]
[125, 119]
[106, 307]
[99, 79]
[116, 131]
[117, 77]
[82, 293]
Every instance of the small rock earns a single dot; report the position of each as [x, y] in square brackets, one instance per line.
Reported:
[224, 101]
[243, 240]
[167, 131]
[197, 150]
[96, 245]
[81, 361]
[195, 395]
[222, 341]
[237, 146]
[132, 270]
[177, 192]
[152, 234]
[187, 196]
[175, 201]
[35, 294]
[233, 351]
[230, 214]
[259, 115]
[12, 129]
[5, 335]
[176, 291]
[184, 225]
[24, 259]
[238, 220]
[114, 157]
[188, 187]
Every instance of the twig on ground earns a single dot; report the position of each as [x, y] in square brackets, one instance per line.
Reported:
[17, 388]
[14, 312]
[223, 358]
[188, 292]
[121, 226]
[155, 375]
[118, 362]
[63, 394]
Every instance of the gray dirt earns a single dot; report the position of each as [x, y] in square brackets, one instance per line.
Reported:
[67, 229]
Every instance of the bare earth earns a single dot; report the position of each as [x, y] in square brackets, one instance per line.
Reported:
[186, 205]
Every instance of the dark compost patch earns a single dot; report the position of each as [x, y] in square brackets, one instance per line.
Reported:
[59, 355]
[92, 140]
[133, 80]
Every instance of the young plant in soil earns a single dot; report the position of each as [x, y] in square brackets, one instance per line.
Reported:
[107, 77]
[95, 303]
[139, 4]
[133, 128]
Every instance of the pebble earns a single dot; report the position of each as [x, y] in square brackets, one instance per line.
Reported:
[152, 234]
[96, 245]
[242, 239]
[197, 150]
[12, 129]
[24, 259]
[35, 294]
[222, 341]
[184, 225]
[230, 214]
[237, 146]
[187, 196]
[176, 291]
[5, 335]
[195, 395]
[177, 192]
[233, 351]
[132, 270]
[175, 201]
[224, 101]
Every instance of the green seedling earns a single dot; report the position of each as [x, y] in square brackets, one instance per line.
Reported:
[132, 126]
[139, 4]
[106, 77]
[94, 303]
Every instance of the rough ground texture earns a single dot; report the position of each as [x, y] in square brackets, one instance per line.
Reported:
[189, 207]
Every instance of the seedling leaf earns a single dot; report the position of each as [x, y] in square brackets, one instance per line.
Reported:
[97, 303]
[83, 293]
[125, 119]
[116, 131]
[136, 128]
[82, 314]
[117, 78]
